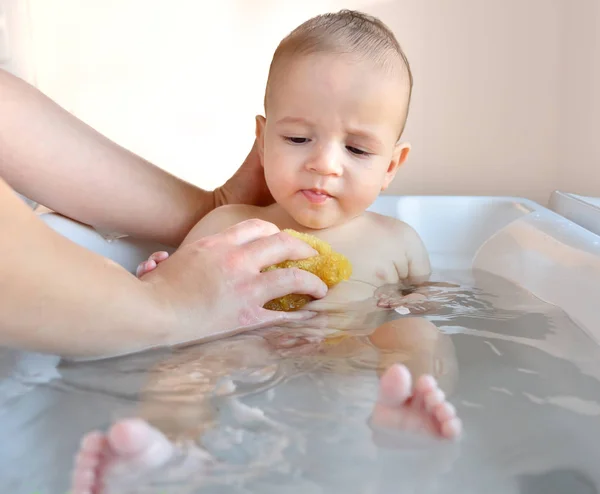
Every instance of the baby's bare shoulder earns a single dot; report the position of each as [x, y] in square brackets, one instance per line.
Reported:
[390, 226]
[220, 219]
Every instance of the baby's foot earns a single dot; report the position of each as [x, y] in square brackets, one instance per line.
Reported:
[131, 451]
[149, 265]
[422, 409]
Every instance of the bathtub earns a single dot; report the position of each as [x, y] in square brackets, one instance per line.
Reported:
[583, 210]
[552, 258]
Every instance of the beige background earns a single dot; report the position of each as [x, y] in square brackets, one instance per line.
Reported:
[506, 99]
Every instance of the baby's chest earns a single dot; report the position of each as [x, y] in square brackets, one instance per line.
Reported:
[373, 260]
[373, 270]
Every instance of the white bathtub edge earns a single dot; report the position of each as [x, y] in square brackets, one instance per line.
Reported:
[553, 258]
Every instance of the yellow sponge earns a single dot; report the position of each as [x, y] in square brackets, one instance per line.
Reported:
[330, 266]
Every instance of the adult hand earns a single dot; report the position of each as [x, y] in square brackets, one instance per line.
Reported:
[214, 286]
[247, 185]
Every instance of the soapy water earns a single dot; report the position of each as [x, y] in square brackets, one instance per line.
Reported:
[288, 409]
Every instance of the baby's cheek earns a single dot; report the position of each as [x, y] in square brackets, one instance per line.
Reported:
[364, 191]
[279, 175]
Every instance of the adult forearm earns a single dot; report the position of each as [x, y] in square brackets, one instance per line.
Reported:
[50, 156]
[60, 298]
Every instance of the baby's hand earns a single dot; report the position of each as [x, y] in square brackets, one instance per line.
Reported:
[418, 299]
[149, 265]
[393, 296]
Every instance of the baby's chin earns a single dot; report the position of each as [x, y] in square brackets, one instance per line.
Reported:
[312, 221]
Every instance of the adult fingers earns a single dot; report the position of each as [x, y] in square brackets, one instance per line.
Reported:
[263, 318]
[281, 282]
[277, 248]
[245, 232]
[297, 317]
[318, 320]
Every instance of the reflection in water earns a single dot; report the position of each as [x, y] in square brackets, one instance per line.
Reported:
[287, 409]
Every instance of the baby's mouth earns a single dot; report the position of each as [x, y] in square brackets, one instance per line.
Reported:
[316, 196]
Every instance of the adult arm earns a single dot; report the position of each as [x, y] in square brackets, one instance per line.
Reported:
[50, 156]
[60, 298]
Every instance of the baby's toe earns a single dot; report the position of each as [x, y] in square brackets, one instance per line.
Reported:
[452, 428]
[83, 481]
[87, 461]
[433, 399]
[94, 442]
[444, 412]
[395, 386]
[425, 384]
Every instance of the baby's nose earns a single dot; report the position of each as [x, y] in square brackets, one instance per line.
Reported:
[326, 161]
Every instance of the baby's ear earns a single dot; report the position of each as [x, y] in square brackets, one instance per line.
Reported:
[398, 158]
[260, 136]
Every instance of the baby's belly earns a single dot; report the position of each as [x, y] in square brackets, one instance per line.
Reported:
[345, 293]
[366, 278]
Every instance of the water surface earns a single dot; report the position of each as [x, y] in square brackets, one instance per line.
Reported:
[293, 416]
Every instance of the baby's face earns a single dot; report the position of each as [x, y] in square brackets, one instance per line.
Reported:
[329, 142]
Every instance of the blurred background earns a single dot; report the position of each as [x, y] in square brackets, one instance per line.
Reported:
[506, 98]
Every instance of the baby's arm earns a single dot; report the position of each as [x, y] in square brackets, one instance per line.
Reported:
[411, 261]
[415, 254]
[414, 270]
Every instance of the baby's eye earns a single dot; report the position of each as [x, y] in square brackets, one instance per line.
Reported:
[356, 151]
[296, 140]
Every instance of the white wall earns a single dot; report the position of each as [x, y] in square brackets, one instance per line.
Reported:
[579, 165]
[491, 112]
[485, 114]
[15, 19]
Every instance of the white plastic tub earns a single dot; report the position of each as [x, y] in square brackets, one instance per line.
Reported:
[583, 210]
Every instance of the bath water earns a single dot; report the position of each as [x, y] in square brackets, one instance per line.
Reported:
[283, 411]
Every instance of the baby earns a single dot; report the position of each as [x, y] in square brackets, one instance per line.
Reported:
[336, 103]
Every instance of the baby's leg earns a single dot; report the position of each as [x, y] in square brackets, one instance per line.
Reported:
[421, 346]
[132, 452]
[420, 409]
[426, 352]
[399, 406]
[149, 265]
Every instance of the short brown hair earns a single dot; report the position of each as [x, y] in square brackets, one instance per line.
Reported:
[346, 31]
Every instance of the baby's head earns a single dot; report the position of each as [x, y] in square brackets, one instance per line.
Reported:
[336, 103]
